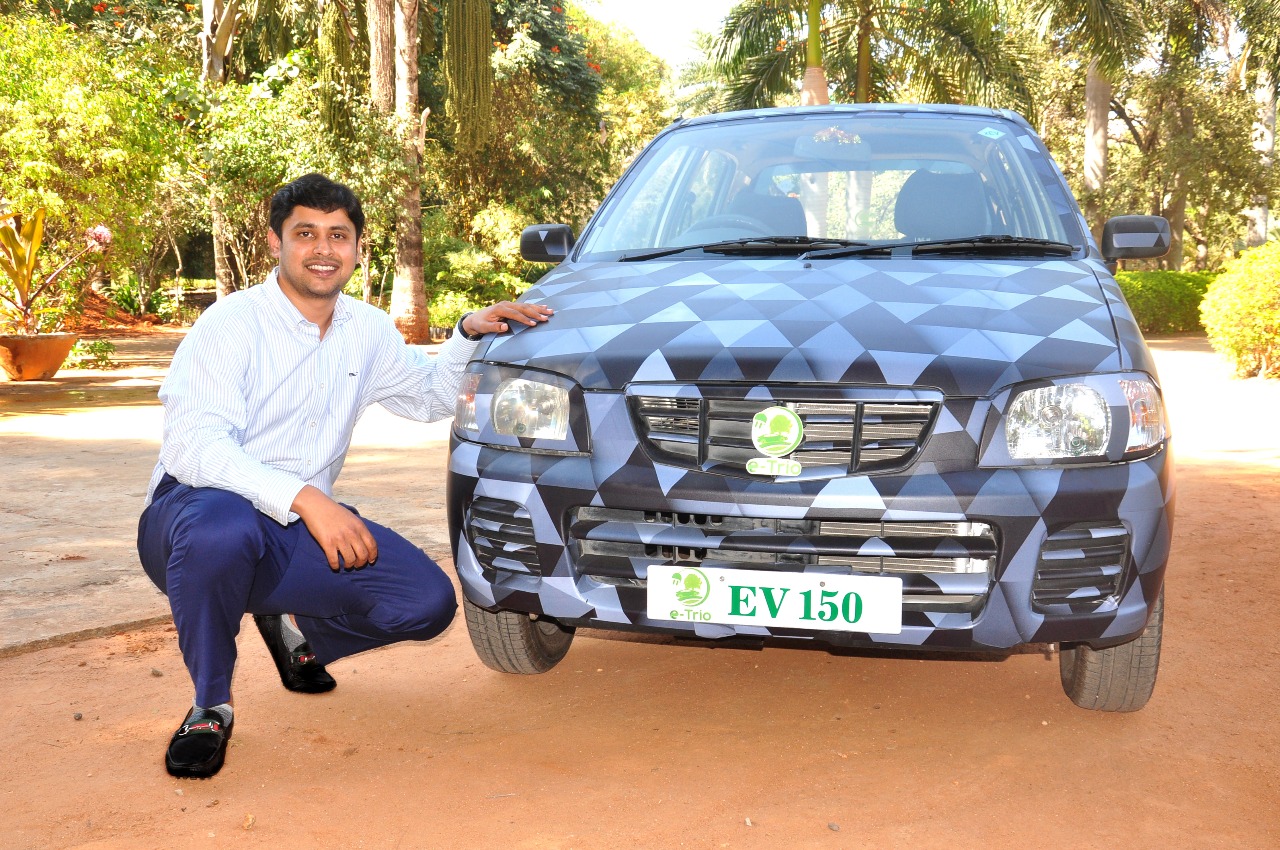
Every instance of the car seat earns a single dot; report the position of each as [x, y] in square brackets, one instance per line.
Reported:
[941, 206]
[783, 213]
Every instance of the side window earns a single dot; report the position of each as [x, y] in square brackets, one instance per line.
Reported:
[1024, 212]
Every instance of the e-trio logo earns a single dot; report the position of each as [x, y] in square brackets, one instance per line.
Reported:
[775, 432]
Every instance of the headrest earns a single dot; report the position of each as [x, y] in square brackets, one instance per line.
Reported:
[783, 213]
[941, 206]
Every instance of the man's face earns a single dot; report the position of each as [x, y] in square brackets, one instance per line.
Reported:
[317, 252]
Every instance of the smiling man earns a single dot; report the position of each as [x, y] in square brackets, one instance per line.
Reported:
[260, 403]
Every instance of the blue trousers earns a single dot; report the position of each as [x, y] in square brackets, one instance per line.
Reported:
[217, 558]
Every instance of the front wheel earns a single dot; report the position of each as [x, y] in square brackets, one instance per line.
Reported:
[510, 642]
[1118, 678]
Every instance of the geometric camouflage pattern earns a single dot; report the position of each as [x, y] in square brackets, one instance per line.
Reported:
[969, 329]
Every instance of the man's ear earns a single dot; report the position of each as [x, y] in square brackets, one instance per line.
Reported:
[273, 243]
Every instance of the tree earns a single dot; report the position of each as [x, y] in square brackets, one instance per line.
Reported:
[1109, 33]
[1260, 20]
[216, 44]
[408, 297]
[934, 50]
[95, 135]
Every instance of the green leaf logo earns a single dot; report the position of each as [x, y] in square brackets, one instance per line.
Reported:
[692, 586]
[777, 431]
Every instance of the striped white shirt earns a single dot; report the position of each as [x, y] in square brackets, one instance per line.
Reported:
[257, 403]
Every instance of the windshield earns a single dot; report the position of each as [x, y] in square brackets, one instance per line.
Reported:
[861, 178]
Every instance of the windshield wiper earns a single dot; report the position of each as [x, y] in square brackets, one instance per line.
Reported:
[988, 244]
[749, 245]
[1002, 243]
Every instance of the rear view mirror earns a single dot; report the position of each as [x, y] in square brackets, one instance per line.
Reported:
[1135, 237]
[546, 243]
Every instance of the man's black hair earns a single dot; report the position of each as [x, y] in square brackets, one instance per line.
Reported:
[319, 193]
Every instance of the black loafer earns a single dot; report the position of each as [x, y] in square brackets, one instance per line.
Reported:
[299, 670]
[199, 747]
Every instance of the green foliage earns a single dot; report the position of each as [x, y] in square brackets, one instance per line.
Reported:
[133, 296]
[635, 101]
[1241, 311]
[455, 265]
[939, 51]
[447, 308]
[263, 134]
[1190, 136]
[96, 135]
[91, 354]
[122, 27]
[1165, 301]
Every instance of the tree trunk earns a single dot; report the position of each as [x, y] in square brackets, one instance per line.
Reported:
[814, 188]
[408, 298]
[222, 270]
[1097, 98]
[1264, 142]
[382, 50]
[215, 47]
[862, 84]
[1176, 211]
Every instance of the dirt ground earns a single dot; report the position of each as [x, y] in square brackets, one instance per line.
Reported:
[644, 743]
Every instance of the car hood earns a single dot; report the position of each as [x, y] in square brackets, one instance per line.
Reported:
[966, 328]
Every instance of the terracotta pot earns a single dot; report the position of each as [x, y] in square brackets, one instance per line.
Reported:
[36, 357]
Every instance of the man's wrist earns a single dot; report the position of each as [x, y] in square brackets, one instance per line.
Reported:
[462, 329]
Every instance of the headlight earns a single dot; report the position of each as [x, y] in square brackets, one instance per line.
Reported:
[532, 409]
[1107, 418]
[1070, 420]
[521, 409]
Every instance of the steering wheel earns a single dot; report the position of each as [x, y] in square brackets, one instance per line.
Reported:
[732, 221]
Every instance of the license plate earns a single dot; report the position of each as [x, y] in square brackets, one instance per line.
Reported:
[845, 603]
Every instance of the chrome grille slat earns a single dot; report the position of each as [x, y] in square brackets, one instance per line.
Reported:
[841, 436]
[618, 542]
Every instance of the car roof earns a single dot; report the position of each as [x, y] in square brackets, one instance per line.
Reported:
[847, 108]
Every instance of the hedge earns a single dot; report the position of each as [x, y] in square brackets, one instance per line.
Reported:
[1241, 311]
[1165, 301]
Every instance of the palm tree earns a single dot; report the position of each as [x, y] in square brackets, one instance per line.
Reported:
[935, 50]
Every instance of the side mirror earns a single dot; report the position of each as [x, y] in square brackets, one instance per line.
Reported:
[546, 243]
[1135, 237]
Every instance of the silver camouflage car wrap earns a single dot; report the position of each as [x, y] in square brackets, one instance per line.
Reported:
[969, 332]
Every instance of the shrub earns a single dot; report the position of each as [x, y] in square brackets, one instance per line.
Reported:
[1165, 301]
[91, 354]
[1241, 311]
[136, 299]
[447, 308]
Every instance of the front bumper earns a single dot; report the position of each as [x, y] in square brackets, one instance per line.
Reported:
[1079, 551]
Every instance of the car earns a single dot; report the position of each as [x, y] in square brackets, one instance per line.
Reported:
[857, 375]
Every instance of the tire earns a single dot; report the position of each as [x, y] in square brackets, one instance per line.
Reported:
[1118, 678]
[510, 642]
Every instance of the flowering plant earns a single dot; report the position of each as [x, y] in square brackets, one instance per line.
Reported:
[25, 291]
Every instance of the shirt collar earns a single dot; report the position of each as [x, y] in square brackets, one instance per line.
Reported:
[341, 309]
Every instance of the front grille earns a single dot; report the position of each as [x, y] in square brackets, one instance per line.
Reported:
[501, 534]
[1080, 567]
[841, 436]
[944, 565]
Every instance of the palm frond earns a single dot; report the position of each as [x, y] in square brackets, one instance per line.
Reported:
[763, 78]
